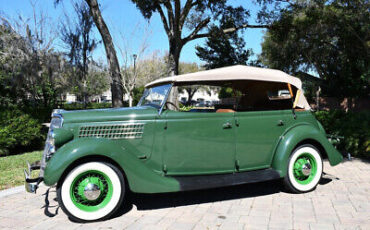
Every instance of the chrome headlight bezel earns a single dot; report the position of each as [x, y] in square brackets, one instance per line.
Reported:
[56, 122]
[49, 149]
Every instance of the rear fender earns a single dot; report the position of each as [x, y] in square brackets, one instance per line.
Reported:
[294, 136]
[139, 176]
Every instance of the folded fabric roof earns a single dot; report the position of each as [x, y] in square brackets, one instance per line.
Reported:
[237, 72]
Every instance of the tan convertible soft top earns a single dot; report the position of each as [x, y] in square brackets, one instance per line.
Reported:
[239, 72]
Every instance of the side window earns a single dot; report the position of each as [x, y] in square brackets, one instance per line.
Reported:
[231, 97]
[207, 98]
[263, 96]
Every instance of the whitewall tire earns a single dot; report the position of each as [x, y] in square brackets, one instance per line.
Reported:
[305, 169]
[91, 191]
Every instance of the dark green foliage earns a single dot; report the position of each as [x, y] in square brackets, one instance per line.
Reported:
[18, 131]
[80, 44]
[353, 126]
[226, 92]
[27, 75]
[223, 50]
[137, 92]
[197, 17]
[328, 37]
[79, 106]
[21, 128]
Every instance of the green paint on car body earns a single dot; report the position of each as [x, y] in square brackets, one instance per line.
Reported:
[187, 143]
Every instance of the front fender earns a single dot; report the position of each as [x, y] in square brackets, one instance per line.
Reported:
[139, 176]
[295, 135]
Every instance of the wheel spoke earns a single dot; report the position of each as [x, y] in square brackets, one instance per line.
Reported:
[94, 179]
[301, 166]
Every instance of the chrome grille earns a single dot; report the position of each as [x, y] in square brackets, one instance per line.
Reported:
[117, 131]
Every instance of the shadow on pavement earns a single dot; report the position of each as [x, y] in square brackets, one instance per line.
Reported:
[166, 200]
[178, 199]
[47, 205]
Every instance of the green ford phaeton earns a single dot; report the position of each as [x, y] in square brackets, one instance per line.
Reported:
[202, 130]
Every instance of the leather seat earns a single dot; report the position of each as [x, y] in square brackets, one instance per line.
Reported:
[225, 111]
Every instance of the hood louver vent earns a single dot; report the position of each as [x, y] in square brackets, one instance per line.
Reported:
[119, 131]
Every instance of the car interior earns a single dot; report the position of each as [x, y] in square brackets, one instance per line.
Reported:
[229, 97]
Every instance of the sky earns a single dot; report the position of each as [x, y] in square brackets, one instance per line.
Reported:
[128, 27]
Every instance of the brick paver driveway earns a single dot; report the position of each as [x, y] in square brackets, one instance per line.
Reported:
[341, 201]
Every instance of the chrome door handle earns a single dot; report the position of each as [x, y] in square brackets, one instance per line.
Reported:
[227, 125]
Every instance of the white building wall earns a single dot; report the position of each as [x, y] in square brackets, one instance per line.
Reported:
[200, 95]
[71, 98]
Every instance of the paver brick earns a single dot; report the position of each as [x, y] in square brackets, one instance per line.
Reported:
[342, 202]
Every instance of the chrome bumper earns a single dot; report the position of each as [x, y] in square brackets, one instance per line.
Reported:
[31, 184]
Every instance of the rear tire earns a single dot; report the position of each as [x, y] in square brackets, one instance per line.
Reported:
[91, 191]
[305, 167]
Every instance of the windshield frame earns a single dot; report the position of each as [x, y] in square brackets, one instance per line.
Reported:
[161, 106]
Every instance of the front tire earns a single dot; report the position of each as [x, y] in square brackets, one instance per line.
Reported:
[305, 169]
[91, 191]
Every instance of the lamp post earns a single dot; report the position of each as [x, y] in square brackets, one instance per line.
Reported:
[134, 56]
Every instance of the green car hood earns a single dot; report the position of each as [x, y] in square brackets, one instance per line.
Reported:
[111, 114]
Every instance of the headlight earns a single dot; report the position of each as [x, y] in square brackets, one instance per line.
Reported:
[56, 122]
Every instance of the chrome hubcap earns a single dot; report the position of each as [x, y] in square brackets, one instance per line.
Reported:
[306, 169]
[92, 191]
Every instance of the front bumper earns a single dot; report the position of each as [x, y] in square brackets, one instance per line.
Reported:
[31, 184]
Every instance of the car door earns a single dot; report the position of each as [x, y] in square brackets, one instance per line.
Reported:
[194, 143]
[267, 111]
[257, 134]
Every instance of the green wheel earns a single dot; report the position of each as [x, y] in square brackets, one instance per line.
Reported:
[305, 169]
[91, 191]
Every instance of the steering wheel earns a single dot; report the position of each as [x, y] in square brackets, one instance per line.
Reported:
[173, 104]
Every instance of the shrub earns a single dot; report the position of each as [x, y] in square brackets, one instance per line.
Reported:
[17, 131]
[353, 126]
[79, 106]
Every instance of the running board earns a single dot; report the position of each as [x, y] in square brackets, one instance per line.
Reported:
[221, 180]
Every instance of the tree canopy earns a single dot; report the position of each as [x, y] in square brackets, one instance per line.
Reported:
[331, 38]
[194, 16]
[223, 50]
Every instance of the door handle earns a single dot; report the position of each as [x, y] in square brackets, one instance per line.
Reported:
[227, 125]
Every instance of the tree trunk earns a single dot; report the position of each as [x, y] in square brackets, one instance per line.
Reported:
[174, 56]
[191, 93]
[116, 86]
[130, 100]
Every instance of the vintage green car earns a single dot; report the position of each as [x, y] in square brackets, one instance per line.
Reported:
[255, 126]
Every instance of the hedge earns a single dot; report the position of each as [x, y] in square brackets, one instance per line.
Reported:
[354, 127]
[21, 129]
[18, 131]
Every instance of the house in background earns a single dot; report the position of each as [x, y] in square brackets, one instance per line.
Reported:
[201, 96]
[105, 97]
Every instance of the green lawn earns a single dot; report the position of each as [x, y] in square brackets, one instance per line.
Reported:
[11, 168]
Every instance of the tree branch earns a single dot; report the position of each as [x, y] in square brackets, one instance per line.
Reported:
[185, 12]
[234, 29]
[164, 20]
[170, 14]
[200, 26]
[205, 35]
[177, 17]
[194, 35]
